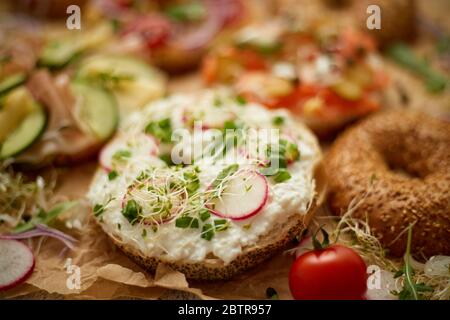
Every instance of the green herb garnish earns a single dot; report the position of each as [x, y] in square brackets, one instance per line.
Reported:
[204, 214]
[411, 290]
[186, 222]
[241, 100]
[279, 157]
[207, 232]
[282, 175]
[98, 209]
[192, 181]
[161, 130]
[45, 217]
[131, 211]
[402, 54]
[167, 158]
[225, 173]
[121, 155]
[221, 224]
[278, 120]
[112, 175]
[289, 150]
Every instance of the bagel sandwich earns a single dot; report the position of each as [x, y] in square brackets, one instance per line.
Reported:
[210, 213]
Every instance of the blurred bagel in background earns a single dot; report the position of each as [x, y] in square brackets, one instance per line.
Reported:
[45, 8]
[398, 19]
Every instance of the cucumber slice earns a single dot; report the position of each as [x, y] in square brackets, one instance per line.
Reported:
[133, 82]
[12, 82]
[25, 118]
[97, 109]
[60, 52]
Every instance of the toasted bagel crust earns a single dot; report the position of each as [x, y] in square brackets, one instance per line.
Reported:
[215, 269]
[401, 162]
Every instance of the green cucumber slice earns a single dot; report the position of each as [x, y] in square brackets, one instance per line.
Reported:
[59, 52]
[30, 128]
[12, 82]
[133, 82]
[97, 109]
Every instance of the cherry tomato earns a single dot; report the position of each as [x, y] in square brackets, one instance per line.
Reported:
[333, 273]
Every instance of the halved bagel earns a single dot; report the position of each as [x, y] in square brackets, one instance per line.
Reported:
[215, 269]
[124, 206]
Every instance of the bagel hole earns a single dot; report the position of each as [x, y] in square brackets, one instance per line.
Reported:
[398, 165]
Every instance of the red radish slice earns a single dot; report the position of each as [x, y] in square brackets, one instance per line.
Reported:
[16, 263]
[107, 153]
[243, 197]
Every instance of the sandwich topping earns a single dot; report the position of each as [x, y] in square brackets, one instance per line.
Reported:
[203, 175]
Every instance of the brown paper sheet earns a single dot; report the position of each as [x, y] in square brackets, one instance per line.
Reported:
[106, 273]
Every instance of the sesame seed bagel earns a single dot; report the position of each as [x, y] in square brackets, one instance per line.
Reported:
[400, 162]
[213, 268]
[217, 211]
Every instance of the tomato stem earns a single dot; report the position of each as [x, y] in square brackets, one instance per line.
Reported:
[325, 242]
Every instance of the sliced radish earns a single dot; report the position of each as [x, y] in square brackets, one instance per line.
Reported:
[16, 263]
[244, 196]
[142, 144]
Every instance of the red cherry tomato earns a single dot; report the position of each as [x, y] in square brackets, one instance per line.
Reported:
[155, 30]
[333, 273]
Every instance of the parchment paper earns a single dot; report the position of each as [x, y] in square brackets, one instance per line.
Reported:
[106, 273]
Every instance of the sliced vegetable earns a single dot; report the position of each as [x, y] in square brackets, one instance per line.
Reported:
[59, 52]
[97, 109]
[16, 263]
[42, 230]
[22, 121]
[240, 197]
[133, 82]
[12, 82]
[45, 217]
[402, 54]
